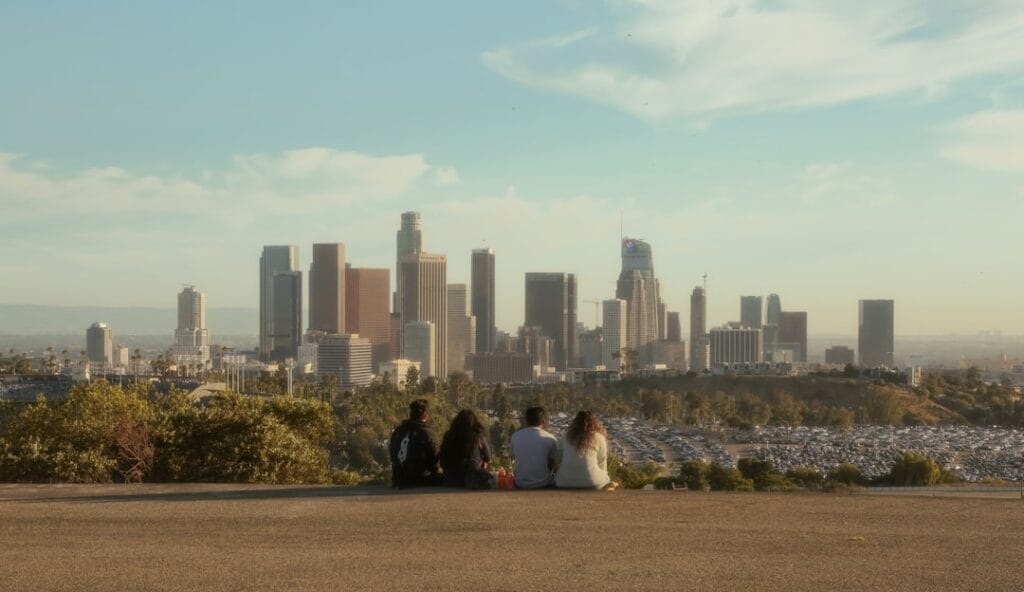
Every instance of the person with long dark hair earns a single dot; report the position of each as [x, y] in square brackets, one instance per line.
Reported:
[465, 453]
[584, 462]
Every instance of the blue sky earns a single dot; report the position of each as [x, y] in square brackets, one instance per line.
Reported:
[819, 150]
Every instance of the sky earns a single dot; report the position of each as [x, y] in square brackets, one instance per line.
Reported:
[826, 151]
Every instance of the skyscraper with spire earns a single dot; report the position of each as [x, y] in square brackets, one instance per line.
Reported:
[409, 241]
[639, 288]
[699, 352]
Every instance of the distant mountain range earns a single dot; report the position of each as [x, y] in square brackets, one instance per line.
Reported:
[29, 319]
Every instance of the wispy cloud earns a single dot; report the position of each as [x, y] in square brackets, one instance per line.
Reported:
[989, 140]
[306, 180]
[695, 58]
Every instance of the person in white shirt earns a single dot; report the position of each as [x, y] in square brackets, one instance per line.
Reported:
[584, 463]
[534, 452]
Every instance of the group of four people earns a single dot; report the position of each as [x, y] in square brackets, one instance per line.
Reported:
[579, 460]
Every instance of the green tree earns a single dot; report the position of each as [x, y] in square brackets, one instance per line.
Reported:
[847, 474]
[694, 473]
[631, 476]
[805, 478]
[915, 469]
[723, 478]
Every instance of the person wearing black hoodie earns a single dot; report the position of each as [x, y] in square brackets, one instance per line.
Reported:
[414, 451]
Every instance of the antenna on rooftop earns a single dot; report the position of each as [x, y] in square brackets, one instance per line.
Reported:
[705, 278]
[622, 217]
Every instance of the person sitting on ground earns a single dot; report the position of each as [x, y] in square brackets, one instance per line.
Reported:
[534, 452]
[413, 450]
[584, 463]
[465, 453]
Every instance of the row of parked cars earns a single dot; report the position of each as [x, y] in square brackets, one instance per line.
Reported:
[973, 453]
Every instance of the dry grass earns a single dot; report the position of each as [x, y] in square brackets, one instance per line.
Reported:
[218, 537]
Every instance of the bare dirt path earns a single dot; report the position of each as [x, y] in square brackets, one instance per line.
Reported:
[225, 537]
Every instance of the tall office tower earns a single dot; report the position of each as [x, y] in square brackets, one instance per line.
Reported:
[327, 289]
[191, 309]
[675, 328]
[613, 321]
[409, 241]
[462, 328]
[839, 355]
[482, 291]
[346, 357]
[698, 331]
[501, 367]
[639, 288]
[533, 341]
[395, 351]
[672, 354]
[771, 324]
[366, 308]
[420, 345]
[772, 309]
[750, 311]
[99, 343]
[591, 347]
[792, 334]
[875, 333]
[280, 302]
[191, 339]
[662, 312]
[732, 345]
[551, 305]
[424, 297]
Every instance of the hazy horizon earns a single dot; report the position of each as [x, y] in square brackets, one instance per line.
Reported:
[881, 157]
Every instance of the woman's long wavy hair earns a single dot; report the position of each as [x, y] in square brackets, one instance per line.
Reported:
[462, 437]
[582, 429]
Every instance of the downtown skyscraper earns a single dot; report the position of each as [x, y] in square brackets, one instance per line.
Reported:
[875, 333]
[367, 308]
[551, 305]
[750, 311]
[327, 289]
[792, 334]
[639, 288]
[99, 344]
[280, 302]
[191, 339]
[613, 324]
[482, 298]
[461, 328]
[699, 354]
[423, 297]
[408, 241]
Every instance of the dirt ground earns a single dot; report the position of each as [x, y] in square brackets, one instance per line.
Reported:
[224, 537]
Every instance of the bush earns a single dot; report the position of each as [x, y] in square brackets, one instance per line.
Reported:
[75, 441]
[103, 433]
[805, 478]
[694, 474]
[727, 479]
[915, 469]
[846, 474]
[633, 476]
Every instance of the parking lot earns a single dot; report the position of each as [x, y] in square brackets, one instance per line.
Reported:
[972, 453]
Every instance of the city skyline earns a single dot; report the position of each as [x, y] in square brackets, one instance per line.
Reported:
[807, 190]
